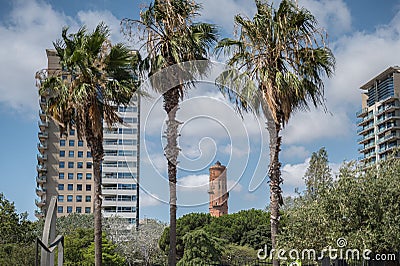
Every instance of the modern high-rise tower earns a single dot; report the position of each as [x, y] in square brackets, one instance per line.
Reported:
[65, 164]
[379, 119]
[219, 195]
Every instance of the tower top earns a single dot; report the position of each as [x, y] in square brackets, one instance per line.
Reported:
[218, 165]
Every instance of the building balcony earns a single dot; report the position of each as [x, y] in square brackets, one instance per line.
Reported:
[43, 125]
[42, 115]
[43, 135]
[364, 129]
[386, 149]
[388, 107]
[40, 203]
[389, 137]
[40, 191]
[366, 147]
[41, 179]
[366, 138]
[42, 102]
[365, 120]
[387, 118]
[362, 112]
[41, 168]
[39, 214]
[41, 157]
[42, 146]
[388, 127]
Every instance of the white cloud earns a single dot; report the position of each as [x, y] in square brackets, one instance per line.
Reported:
[295, 152]
[201, 182]
[292, 174]
[222, 12]
[147, 200]
[27, 31]
[193, 182]
[306, 127]
[333, 15]
[235, 150]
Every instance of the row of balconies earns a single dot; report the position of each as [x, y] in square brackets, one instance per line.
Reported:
[40, 191]
[366, 147]
[40, 203]
[41, 179]
[388, 137]
[39, 214]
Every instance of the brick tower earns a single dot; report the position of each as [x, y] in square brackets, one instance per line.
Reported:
[218, 190]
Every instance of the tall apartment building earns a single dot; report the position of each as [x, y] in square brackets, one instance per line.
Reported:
[219, 195]
[65, 169]
[379, 119]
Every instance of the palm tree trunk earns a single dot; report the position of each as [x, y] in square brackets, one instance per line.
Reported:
[96, 147]
[275, 182]
[171, 102]
[97, 212]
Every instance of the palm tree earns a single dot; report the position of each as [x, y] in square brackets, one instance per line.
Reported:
[172, 38]
[100, 77]
[283, 52]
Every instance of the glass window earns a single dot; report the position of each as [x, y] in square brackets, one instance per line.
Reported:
[79, 164]
[71, 143]
[71, 154]
[79, 198]
[60, 198]
[79, 176]
[70, 186]
[89, 165]
[79, 187]
[60, 209]
[61, 164]
[88, 176]
[70, 175]
[69, 198]
[62, 153]
[80, 143]
[60, 186]
[69, 209]
[88, 187]
[62, 142]
[78, 210]
[87, 209]
[80, 154]
[72, 132]
[89, 154]
[70, 164]
[60, 175]
[88, 198]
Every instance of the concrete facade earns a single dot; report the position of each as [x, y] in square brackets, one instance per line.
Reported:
[379, 119]
[65, 164]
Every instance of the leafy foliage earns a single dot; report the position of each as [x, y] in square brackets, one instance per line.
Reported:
[245, 228]
[17, 235]
[200, 248]
[360, 206]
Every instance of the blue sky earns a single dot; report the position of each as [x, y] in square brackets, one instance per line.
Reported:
[364, 36]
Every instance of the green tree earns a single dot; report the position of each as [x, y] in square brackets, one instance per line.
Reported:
[283, 51]
[200, 249]
[109, 254]
[100, 77]
[76, 243]
[173, 38]
[318, 177]
[186, 223]
[17, 235]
